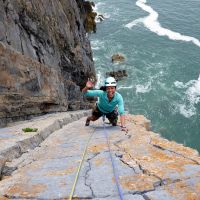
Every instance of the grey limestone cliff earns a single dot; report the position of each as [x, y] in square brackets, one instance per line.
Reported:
[45, 57]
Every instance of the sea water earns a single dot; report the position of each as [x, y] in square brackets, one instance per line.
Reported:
[161, 44]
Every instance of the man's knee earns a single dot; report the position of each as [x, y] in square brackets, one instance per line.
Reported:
[112, 115]
[113, 118]
[94, 118]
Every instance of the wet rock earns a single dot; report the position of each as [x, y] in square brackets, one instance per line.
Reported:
[117, 58]
[100, 17]
[117, 74]
[90, 24]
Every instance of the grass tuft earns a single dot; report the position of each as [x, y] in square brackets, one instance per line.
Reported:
[29, 129]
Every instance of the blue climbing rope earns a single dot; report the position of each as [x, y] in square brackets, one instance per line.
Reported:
[112, 161]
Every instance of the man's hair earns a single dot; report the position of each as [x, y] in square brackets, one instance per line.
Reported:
[104, 88]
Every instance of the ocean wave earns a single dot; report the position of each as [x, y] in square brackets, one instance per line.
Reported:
[134, 23]
[100, 80]
[191, 98]
[97, 9]
[97, 5]
[151, 22]
[97, 44]
[193, 92]
[179, 84]
[124, 87]
[187, 110]
[95, 48]
[95, 59]
[143, 88]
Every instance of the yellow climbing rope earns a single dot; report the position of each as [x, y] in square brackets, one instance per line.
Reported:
[79, 168]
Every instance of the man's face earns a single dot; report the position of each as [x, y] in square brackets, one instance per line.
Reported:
[110, 91]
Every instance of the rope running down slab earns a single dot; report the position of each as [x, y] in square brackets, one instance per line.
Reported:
[80, 165]
[113, 162]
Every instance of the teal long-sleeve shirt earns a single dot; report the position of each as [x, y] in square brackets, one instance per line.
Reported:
[104, 105]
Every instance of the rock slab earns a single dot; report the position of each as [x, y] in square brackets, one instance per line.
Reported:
[148, 166]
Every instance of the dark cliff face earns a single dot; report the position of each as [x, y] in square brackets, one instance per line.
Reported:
[49, 35]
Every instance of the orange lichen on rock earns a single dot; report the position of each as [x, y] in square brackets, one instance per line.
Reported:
[140, 120]
[66, 171]
[97, 148]
[138, 182]
[171, 145]
[25, 190]
[181, 190]
[191, 196]
[99, 161]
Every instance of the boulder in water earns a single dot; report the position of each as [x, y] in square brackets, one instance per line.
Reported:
[117, 74]
[117, 58]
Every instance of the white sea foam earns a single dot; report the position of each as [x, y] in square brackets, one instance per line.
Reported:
[143, 88]
[98, 10]
[191, 98]
[99, 17]
[187, 111]
[97, 44]
[179, 84]
[97, 6]
[95, 59]
[100, 80]
[124, 87]
[193, 92]
[95, 48]
[134, 23]
[151, 22]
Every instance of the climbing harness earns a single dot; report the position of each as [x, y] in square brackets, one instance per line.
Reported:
[112, 161]
[111, 158]
[79, 168]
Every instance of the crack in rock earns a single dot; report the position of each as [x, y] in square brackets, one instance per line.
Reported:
[125, 163]
[179, 154]
[145, 171]
[87, 173]
[161, 181]
[19, 197]
[142, 192]
[86, 177]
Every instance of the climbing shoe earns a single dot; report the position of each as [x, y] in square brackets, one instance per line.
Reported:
[87, 123]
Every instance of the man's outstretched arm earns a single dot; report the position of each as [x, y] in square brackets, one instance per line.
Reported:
[123, 125]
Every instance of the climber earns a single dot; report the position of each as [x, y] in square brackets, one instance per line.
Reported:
[109, 103]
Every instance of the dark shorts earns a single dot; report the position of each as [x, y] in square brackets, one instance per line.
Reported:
[112, 116]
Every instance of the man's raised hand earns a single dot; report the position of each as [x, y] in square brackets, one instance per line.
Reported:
[89, 83]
